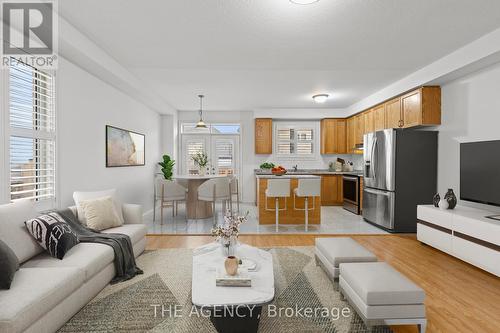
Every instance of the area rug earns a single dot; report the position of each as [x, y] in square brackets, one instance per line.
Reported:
[130, 306]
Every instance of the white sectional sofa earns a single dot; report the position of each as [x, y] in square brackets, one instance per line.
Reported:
[46, 292]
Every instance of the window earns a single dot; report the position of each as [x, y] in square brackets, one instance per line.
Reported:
[190, 128]
[193, 147]
[224, 156]
[295, 140]
[32, 135]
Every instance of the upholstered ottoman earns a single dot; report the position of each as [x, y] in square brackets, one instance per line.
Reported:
[330, 252]
[381, 295]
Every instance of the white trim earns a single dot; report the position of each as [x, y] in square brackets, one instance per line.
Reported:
[4, 147]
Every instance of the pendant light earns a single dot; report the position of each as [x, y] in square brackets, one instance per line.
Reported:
[201, 123]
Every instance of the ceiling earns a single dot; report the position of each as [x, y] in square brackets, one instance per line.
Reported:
[249, 54]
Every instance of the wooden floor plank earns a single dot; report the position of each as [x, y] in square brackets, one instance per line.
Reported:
[460, 297]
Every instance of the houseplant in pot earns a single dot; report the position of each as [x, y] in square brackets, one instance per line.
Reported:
[167, 167]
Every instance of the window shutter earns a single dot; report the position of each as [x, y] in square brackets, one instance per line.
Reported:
[225, 156]
[194, 147]
[294, 141]
[32, 129]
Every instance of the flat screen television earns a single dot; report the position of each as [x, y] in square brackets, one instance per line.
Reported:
[480, 172]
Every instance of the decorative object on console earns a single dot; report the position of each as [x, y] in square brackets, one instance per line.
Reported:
[443, 204]
[227, 233]
[9, 264]
[167, 166]
[124, 147]
[231, 265]
[100, 213]
[201, 160]
[451, 198]
[436, 199]
[53, 233]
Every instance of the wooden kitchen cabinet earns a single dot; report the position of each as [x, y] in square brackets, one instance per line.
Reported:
[369, 121]
[359, 129]
[421, 107]
[393, 116]
[331, 190]
[333, 136]
[263, 136]
[379, 117]
[351, 134]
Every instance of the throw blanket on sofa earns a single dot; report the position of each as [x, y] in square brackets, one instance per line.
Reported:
[125, 266]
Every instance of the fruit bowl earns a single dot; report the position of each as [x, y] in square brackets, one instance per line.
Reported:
[279, 171]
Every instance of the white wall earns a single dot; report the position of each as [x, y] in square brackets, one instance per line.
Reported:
[470, 112]
[85, 106]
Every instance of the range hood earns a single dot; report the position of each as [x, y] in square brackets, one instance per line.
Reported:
[359, 146]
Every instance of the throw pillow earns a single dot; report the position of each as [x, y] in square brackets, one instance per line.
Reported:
[100, 213]
[81, 196]
[9, 264]
[53, 233]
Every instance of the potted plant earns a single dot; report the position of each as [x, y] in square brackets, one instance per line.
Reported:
[201, 160]
[227, 233]
[167, 167]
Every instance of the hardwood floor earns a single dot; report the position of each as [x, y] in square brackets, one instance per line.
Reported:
[460, 297]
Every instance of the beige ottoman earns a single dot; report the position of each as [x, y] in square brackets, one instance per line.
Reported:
[381, 295]
[330, 252]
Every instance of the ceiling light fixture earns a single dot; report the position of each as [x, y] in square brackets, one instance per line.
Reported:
[303, 2]
[201, 123]
[320, 98]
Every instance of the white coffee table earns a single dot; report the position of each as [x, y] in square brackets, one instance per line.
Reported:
[225, 302]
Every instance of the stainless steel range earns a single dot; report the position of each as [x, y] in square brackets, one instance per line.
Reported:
[351, 193]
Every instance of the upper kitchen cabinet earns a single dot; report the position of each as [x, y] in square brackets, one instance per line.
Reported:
[393, 116]
[359, 129]
[333, 136]
[379, 117]
[369, 121]
[421, 107]
[351, 134]
[263, 136]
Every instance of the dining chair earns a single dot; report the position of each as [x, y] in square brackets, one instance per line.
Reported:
[170, 194]
[213, 190]
[235, 190]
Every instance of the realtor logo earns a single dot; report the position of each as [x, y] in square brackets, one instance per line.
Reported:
[29, 33]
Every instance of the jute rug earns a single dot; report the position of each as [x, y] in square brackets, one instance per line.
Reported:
[166, 285]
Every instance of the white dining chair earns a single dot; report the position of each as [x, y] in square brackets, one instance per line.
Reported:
[213, 190]
[307, 188]
[277, 188]
[170, 194]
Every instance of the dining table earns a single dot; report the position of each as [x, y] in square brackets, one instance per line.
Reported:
[196, 209]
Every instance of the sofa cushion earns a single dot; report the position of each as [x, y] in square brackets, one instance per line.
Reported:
[9, 264]
[91, 258]
[136, 232]
[343, 249]
[100, 213]
[52, 233]
[80, 196]
[35, 291]
[377, 283]
[13, 231]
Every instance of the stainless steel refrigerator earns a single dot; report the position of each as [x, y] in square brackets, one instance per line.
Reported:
[400, 172]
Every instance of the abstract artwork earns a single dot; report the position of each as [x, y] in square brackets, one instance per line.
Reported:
[124, 148]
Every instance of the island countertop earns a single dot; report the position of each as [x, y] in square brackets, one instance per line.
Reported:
[260, 172]
[286, 176]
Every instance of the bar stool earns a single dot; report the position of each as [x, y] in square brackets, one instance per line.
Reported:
[307, 188]
[277, 188]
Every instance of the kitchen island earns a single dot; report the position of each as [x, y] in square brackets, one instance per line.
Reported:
[290, 215]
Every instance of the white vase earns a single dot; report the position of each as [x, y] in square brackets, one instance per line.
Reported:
[201, 171]
[443, 204]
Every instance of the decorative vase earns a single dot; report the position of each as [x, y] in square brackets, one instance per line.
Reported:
[201, 171]
[435, 200]
[229, 247]
[451, 198]
[443, 204]
[231, 265]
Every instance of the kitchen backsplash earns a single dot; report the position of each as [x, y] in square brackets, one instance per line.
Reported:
[321, 163]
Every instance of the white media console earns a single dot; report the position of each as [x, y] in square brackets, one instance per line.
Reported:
[463, 232]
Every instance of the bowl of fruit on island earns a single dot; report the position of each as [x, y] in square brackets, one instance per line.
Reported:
[278, 171]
